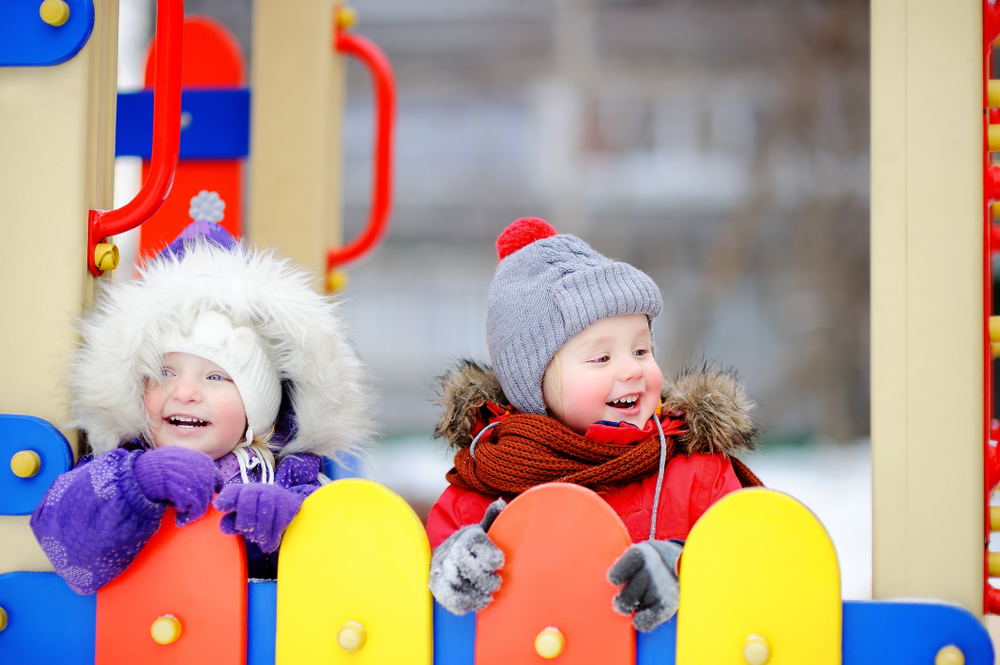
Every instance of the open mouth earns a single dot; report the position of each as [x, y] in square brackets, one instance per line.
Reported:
[626, 402]
[187, 422]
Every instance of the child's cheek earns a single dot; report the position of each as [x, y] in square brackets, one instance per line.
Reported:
[583, 402]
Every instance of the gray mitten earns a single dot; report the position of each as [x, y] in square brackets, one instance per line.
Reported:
[649, 572]
[463, 567]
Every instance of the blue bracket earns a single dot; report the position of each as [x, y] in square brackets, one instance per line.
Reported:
[215, 124]
[19, 496]
[893, 632]
[28, 41]
[47, 622]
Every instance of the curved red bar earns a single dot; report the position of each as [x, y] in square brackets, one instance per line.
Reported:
[166, 134]
[385, 102]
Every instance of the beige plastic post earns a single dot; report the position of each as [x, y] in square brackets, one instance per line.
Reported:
[56, 163]
[298, 90]
[927, 300]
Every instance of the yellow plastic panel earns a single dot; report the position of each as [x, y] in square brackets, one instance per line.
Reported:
[357, 553]
[759, 564]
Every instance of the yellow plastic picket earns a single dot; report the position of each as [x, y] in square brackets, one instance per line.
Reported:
[759, 583]
[352, 581]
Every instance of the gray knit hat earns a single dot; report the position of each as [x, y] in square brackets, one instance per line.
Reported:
[547, 289]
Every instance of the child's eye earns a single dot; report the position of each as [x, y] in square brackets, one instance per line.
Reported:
[640, 352]
[216, 377]
[167, 372]
[601, 358]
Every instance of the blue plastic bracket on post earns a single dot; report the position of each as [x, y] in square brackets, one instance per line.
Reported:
[19, 496]
[47, 622]
[28, 41]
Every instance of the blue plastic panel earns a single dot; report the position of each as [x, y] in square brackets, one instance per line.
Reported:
[47, 622]
[215, 124]
[658, 647]
[882, 632]
[19, 496]
[454, 637]
[28, 41]
[262, 610]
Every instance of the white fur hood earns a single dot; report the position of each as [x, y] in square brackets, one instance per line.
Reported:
[122, 344]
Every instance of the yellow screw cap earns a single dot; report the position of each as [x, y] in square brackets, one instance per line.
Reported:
[54, 12]
[26, 464]
[995, 328]
[993, 137]
[352, 637]
[346, 16]
[106, 256]
[3, 618]
[166, 629]
[993, 93]
[550, 642]
[756, 651]
[337, 280]
[950, 655]
[993, 563]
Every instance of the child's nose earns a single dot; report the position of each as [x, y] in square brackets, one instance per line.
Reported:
[630, 369]
[187, 391]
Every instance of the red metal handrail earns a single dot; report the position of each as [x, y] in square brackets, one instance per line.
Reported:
[385, 102]
[991, 193]
[166, 135]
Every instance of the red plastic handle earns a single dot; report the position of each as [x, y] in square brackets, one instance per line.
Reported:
[166, 134]
[385, 102]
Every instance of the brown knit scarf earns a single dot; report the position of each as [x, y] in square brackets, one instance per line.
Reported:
[526, 450]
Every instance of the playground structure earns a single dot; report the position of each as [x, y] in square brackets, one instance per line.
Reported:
[352, 583]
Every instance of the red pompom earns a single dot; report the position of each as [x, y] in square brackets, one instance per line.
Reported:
[522, 232]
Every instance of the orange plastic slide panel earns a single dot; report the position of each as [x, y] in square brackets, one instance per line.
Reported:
[193, 580]
[559, 540]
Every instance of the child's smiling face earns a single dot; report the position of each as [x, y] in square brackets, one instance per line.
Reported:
[607, 372]
[196, 405]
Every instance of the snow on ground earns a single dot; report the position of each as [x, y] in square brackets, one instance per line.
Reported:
[834, 481]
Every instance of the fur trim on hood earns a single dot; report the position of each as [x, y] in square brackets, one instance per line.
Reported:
[123, 336]
[715, 406]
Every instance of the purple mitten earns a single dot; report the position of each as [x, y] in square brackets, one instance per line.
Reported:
[260, 513]
[186, 479]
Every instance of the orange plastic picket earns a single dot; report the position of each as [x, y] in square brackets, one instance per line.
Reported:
[196, 574]
[212, 58]
[559, 540]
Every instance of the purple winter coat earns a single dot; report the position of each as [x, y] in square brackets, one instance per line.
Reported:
[93, 521]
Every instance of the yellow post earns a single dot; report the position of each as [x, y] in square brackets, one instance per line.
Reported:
[298, 83]
[927, 300]
[56, 163]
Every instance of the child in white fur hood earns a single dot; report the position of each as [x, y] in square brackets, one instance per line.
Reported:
[220, 369]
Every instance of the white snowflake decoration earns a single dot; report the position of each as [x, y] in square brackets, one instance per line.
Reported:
[207, 207]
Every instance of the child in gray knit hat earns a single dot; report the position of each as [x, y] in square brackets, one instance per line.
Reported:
[575, 395]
